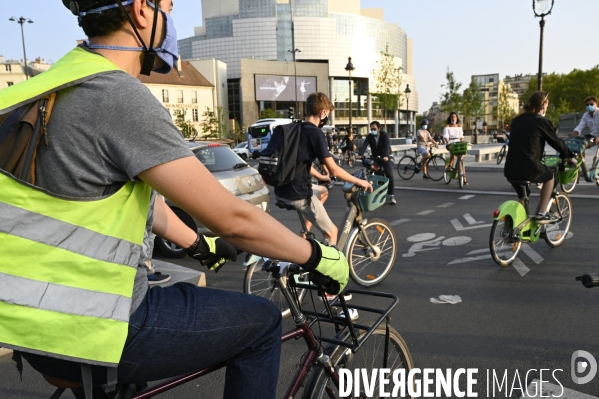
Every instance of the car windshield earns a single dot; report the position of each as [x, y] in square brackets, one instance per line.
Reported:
[218, 159]
[242, 145]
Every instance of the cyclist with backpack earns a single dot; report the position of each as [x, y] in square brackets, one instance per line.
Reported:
[311, 145]
[81, 310]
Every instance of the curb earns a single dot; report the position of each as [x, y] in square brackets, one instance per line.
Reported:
[5, 352]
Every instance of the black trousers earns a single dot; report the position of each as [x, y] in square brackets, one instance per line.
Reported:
[388, 168]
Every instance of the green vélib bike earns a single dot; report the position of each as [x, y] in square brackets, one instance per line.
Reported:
[512, 224]
[569, 176]
[458, 171]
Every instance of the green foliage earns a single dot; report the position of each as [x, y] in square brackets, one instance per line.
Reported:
[239, 133]
[473, 102]
[505, 113]
[566, 91]
[269, 113]
[184, 126]
[452, 100]
[213, 125]
[387, 80]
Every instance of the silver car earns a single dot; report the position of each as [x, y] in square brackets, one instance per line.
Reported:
[234, 174]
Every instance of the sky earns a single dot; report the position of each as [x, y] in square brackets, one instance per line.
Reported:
[471, 37]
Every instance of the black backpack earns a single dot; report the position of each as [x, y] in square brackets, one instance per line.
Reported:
[278, 161]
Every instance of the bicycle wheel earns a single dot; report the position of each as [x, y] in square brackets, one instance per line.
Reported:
[406, 167]
[555, 233]
[461, 171]
[340, 160]
[436, 167]
[369, 356]
[504, 248]
[569, 187]
[447, 172]
[595, 166]
[501, 154]
[368, 266]
[261, 283]
[351, 160]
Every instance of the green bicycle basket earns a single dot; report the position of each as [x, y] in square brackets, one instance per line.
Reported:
[551, 161]
[459, 148]
[378, 196]
[576, 144]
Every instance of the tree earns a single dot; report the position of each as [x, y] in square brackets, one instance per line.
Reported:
[473, 102]
[387, 80]
[451, 100]
[505, 112]
[212, 125]
[185, 126]
[269, 113]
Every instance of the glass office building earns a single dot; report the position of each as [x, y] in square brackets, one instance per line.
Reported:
[325, 32]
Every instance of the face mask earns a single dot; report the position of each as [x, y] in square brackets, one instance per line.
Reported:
[323, 121]
[374, 132]
[591, 108]
[424, 127]
[167, 52]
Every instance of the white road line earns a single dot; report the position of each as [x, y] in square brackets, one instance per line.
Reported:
[506, 193]
[473, 258]
[471, 220]
[458, 226]
[400, 221]
[551, 390]
[520, 267]
[448, 204]
[465, 197]
[425, 212]
[532, 254]
[478, 251]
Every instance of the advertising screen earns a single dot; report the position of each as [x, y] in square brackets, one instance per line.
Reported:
[282, 88]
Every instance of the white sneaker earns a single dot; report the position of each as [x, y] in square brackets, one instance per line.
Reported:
[392, 200]
[330, 298]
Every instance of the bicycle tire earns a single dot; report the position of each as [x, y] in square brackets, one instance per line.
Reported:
[369, 356]
[501, 242]
[436, 167]
[596, 165]
[260, 283]
[406, 167]
[501, 154]
[461, 172]
[447, 172]
[555, 233]
[569, 187]
[340, 160]
[351, 160]
[366, 269]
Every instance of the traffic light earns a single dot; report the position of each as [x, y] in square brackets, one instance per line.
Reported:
[290, 112]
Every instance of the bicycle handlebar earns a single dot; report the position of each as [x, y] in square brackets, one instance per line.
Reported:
[589, 280]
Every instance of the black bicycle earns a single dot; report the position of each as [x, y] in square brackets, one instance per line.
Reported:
[408, 165]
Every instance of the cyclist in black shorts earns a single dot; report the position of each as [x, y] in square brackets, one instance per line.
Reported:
[529, 133]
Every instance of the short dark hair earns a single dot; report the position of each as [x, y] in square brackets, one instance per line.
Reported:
[591, 98]
[536, 101]
[108, 22]
[376, 123]
[318, 102]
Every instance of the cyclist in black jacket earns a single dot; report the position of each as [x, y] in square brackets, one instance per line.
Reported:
[378, 141]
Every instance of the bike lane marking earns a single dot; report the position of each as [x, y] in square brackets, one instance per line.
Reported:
[428, 212]
[400, 221]
[465, 197]
[505, 193]
[532, 254]
[446, 205]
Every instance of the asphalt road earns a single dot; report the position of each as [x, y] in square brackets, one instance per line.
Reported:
[515, 320]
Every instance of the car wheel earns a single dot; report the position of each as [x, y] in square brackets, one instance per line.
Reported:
[171, 249]
[243, 156]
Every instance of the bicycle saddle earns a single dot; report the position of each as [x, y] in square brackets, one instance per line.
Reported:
[283, 205]
[520, 182]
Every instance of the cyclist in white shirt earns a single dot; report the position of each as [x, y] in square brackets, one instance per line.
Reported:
[590, 119]
[453, 133]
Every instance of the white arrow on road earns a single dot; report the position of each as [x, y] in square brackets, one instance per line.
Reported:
[471, 221]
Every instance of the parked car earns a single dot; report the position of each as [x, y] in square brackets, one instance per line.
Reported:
[234, 174]
[242, 150]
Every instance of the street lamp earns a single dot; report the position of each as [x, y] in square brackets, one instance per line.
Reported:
[295, 74]
[407, 92]
[21, 21]
[349, 68]
[541, 8]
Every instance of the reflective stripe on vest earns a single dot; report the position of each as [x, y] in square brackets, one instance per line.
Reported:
[67, 265]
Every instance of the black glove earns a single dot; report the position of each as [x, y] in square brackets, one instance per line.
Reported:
[212, 252]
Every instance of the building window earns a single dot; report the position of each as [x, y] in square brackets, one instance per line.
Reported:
[10, 83]
[165, 96]
[194, 115]
[8, 68]
[180, 96]
[194, 97]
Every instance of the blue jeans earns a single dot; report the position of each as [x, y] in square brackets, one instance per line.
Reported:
[185, 328]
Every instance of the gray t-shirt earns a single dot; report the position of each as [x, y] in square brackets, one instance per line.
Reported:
[103, 133]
